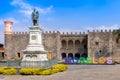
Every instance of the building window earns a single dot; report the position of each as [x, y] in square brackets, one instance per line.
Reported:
[70, 44]
[85, 46]
[97, 43]
[3, 55]
[18, 55]
[100, 51]
[64, 45]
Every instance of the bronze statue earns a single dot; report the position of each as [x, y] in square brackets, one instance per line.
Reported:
[35, 16]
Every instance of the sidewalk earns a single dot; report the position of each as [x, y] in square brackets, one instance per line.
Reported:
[76, 72]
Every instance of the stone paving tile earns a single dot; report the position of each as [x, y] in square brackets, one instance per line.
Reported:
[76, 72]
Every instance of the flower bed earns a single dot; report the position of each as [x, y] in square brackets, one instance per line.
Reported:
[10, 71]
[34, 71]
[30, 71]
[60, 67]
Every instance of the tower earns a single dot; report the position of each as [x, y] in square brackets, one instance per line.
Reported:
[8, 27]
[8, 38]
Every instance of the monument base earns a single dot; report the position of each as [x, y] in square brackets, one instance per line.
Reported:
[34, 59]
[35, 47]
[34, 56]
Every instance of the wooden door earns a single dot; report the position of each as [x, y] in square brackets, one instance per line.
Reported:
[49, 55]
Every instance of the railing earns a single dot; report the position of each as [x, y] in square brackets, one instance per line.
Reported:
[31, 64]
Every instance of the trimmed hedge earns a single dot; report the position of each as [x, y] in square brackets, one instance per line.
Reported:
[54, 71]
[34, 71]
[45, 72]
[60, 67]
[2, 69]
[29, 71]
[11, 71]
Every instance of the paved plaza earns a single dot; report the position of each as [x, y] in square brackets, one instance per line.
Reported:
[75, 72]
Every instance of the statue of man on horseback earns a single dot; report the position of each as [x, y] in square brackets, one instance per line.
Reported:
[35, 16]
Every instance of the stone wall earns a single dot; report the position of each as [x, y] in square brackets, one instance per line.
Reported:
[94, 42]
[15, 42]
[18, 41]
[8, 45]
[51, 41]
[99, 40]
[116, 50]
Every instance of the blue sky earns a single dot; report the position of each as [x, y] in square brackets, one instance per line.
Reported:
[62, 15]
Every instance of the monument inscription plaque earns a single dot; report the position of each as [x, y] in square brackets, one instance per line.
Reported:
[33, 37]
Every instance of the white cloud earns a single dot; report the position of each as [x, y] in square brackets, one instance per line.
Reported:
[81, 29]
[1, 22]
[8, 19]
[27, 9]
[2, 26]
[104, 27]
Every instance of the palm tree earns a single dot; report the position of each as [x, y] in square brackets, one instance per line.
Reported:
[117, 34]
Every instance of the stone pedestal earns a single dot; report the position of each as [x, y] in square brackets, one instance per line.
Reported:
[35, 50]
[34, 56]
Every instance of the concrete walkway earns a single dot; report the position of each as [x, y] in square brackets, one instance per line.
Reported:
[76, 72]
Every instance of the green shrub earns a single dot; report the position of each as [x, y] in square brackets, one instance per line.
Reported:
[11, 71]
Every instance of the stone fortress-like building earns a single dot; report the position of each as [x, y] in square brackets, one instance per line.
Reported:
[61, 45]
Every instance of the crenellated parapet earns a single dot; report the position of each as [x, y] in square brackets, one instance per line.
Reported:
[20, 33]
[51, 32]
[65, 33]
[102, 30]
[73, 33]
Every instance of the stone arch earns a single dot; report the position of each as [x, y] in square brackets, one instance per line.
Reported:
[84, 41]
[70, 55]
[63, 55]
[34, 56]
[77, 55]
[84, 55]
[77, 43]
[64, 44]
[70, 44]
[49, 55]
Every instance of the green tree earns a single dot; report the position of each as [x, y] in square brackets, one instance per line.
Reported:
[116, 33]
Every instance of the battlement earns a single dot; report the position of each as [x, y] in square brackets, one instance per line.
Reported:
[73, 33]
[65, 33]
[105, 30]
[51, 32]
[20, 33]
